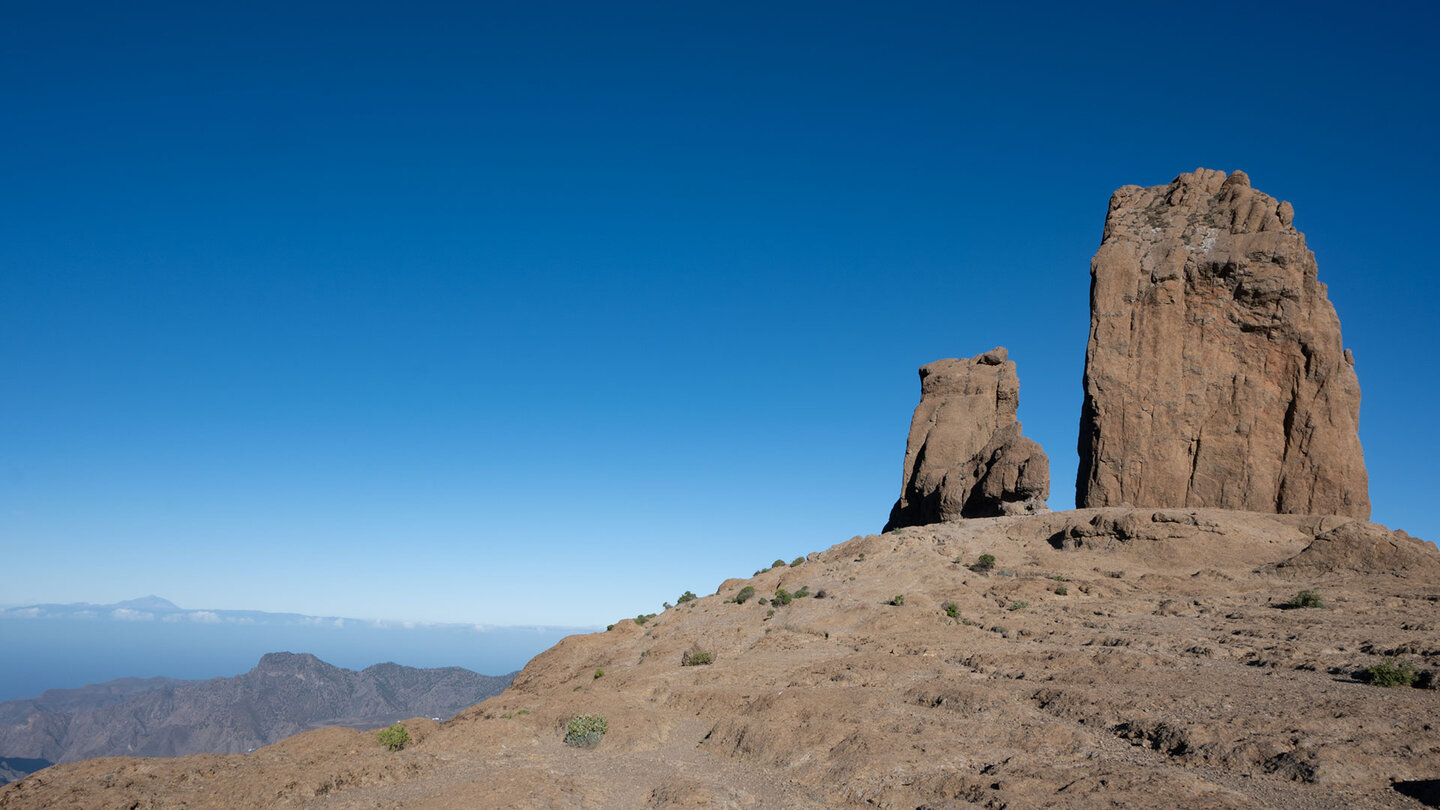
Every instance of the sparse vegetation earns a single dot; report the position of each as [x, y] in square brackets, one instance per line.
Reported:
[952, 610]
[1061, 590]
[744, 593]
[897, 600]
[696, 658]
[984, 564]
[1017, 605]
[686, 597]
[762, 600]
[644, 617]
[585, 730]
[599, 673]
[1306, 599]
[782, 597]
[802, 593]
[1390, 672]
[778, 564]
[393, 738]
[796, 561]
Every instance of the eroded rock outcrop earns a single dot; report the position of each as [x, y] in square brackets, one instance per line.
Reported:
[1215, 374]
[965, 456]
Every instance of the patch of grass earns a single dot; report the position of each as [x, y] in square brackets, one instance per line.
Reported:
[769, 613]
[984, 564]
[599, 673]
[1390, 672]
[686, 597]
[1017, 605]
[782, 597]
[393, 738]
[744, 594]
[1306, 599]
[897, 600]
[952, 610]
[696, 658]
[585, 730]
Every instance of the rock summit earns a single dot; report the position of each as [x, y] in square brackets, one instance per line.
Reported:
[1215, 375]
[965, 456]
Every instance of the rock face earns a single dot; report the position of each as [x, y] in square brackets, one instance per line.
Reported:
[965, 456]
[1215, 375]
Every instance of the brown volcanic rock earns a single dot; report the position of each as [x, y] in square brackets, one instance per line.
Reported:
[1166, 675]
[965, 456]
[1215, 373]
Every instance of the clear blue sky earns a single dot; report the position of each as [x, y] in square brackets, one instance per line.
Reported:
[536, 312]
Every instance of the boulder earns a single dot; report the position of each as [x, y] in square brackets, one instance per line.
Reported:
[965, 456]
[1215, 375]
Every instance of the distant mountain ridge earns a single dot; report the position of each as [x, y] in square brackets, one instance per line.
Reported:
[284, 694]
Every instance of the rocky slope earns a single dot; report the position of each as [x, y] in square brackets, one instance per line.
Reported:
[1215, 374]
[284, 694]
[1111, 657]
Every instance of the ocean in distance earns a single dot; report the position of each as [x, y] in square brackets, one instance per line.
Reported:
[67, 646]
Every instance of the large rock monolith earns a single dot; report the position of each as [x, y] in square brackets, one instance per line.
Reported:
[965, 456]
[1215, 374]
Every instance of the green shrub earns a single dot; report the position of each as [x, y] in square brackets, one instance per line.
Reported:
[796, 561]
[897, 600]
[769, 613]
[1390, 672]
[696, 658]
[744, 594]
[762, 601]
[802, 593]
[644, 617]
[984, 564]
[952, 610]
[1017, 605]
[782, 597]
[686, 597]
[585, 730]
[599, 673]
[778, 564]
[1306, 599]
[393, 738]
[1061, 590]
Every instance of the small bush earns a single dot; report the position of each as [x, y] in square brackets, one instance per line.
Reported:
[769, 613]
[696, 658]
[609, 627]
[1306, 599]
[685, 597]
[599, 673]
[782, 597]
[897, 600]
[393, 738]
[952, 610]
[1390, 672]
[1017, 605]
[802, 593]
[796, 561]
[778, 564]
[744, 594]
[644, 617]
[762, 601]
[1061, 590]
[585, 730]
[984, 564]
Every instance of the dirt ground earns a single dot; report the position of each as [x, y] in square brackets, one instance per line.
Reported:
[1110, 658]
